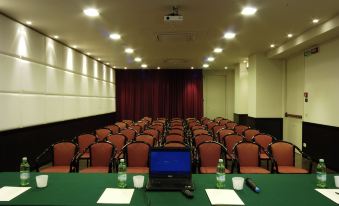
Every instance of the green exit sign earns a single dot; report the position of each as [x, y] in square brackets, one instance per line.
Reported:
[311, 51]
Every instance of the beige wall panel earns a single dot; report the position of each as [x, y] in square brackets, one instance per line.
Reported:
[10, 74]
[71, 107]
[8, 35]
[54, 53]
[84, 85]
[230, 94]
[33, 77]
[96, 88]
[10, 111]
[71, 83]
[252, 87]
[84, 106]
[55, 81]
[293, 131]
[54, 108]
[33, 109]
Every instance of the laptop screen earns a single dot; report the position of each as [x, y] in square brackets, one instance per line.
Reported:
[168, 161]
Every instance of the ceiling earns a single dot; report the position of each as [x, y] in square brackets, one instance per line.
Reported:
[176, 44]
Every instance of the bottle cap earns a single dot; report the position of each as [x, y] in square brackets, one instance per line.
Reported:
[321, 160]
[220, 160]
[122, 160]
[24, 158]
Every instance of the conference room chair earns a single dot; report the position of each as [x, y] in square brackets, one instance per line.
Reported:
[147, 138]
[249, 133]
[176, 131]
[174, 137]
[205, 120]
[199, 126]
[114, 128]
[239, 129]
[83, 141]
[159, 127]
[231, 125]
[283, 158]
[148, 119]
[210, 125]
[229, 141]
[136, 156]
[264, 140]
[247, 158]
[199, 131]
[102, 158]
[177, 127]
[130, 133]
[137, 128]
[142, 124]
[128, 122]
[201, 138]
[162, 120]
[62, 155]
[176, 144]
[102, 133]
[119, 141]
[222, 133]
[218, 119]
[208, 156]
[224, 122]
[215, 129]
[193, 124]
[154, 133]
[121, 125]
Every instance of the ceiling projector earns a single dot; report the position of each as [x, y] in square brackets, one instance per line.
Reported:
[174, 16]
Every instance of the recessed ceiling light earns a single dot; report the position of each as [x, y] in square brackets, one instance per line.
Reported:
[248, 11]
[107, 63]
[28, 22]
[137, 59]
[158, 67]
[226, 67]
[289, 35]
[92, 12]
[192, 67]
[218, 50]
[115, 36]
[125, 67]
[314, 21]
[129, 50]
[205, 65]
[245, 61]
[272, 45]
[229, 35]
[88, 53]
[56, 37]
[75, 46]
[99, 59]
[210, 59]
[144, 66]
[114, 67]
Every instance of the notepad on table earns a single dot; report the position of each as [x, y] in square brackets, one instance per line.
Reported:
[223, 197]
[116, 196]
[7, 193]
[330, 194]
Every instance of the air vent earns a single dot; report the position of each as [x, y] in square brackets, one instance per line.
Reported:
[175, 36]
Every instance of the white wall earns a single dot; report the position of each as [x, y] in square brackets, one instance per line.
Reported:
[43, 81]
[241, 89]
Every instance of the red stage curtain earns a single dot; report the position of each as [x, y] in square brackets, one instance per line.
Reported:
[159, 93]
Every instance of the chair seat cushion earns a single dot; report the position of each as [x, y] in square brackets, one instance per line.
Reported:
[95, 170]
[137, 169]
[289, 170]
[253, 170]
[85, 155]
[211, 170]
[55, 169]
[264, 156]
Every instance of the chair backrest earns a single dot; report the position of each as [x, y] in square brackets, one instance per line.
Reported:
[177, 127]
[137, 128]
[230, 125]
[176, 131]
[224, 122]
[205, 121]
[202, 138]
[230, 140]
[247, 154]
[210, 125]
[216, 128]
[85, 140]
[142, 125]
[283, 153]
[146, 138]
[102, 133]
[152, 132]
[239, 129]
[209, 153]
[263, 140]
[121, 125]
[136, 153]
[114, 128]
[102, 154]
[218, 119]
[118, 140]
[199, 131]
[198, 126]
[64, 153]
[249, 133]
[223, 132]
[130, 133]
[128, 122]
[158, 127]
[192, 124]
[175, 144]
[174, 137]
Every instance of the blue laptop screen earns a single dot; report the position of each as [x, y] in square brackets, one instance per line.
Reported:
[170, 162]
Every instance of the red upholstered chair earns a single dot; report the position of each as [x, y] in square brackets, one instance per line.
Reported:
[102, 133]
[102, 157]
[224, 122]
[62, 155]
[128, 122]
[142, 124]
[201, 138]
[247, 155]
[231, 125]
[130, 133]
[176, 144]
[174, 137]
[208, 155]
[121, 125]
[158, 127]
[146, 138]
[215, 130]
[218, 119]
[153, 132]
[181, 127]
[176, 131]
[283, 154]
[199, 131]
[210, 125]
[229, 141]
[205, 120]
[222, 133]
[239, 129]
[114, 128]
[119, 141]
[249, 133]
[198, 126]
[83, 141]
[137, 128]
[263, 140]
[193, 123]
[136, 155]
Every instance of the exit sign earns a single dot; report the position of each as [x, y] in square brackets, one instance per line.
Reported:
[311, 51]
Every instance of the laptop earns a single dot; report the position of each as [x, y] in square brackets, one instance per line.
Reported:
[170, 169]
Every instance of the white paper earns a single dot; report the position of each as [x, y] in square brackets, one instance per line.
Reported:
[116, 196]
[7, 193]
[223, 197]
[330, 193]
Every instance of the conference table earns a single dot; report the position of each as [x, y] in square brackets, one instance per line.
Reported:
[86, 189]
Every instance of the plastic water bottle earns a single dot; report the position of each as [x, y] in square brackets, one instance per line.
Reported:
[220, 174]
[122, 175]
[321, 174]
[24, 172]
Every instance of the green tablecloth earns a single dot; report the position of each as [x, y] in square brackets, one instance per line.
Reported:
[85, 189]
